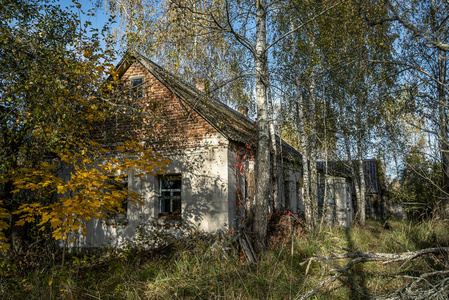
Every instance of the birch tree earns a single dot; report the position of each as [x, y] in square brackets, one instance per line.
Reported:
[304, 71]
[423, 26]
[360, 85]
[179, 36]
[331, 63]
[428, 57]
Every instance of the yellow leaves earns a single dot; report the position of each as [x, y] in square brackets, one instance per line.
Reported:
[21, 222]
[70, 186]
[46, 166]
[57, 234]
[62, 189]
[87, 53]
[3, 226]
[55, 222]
[3, 212]
[92, 189]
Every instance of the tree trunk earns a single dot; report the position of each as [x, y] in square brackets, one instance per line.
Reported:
[303, 138]
[313, 145]
[308, 204]
[362, 201]
[275, 168]
[443, 139]
[250, 194]
[355, 178]
[351, 166]
[17, 233]
[263, 149]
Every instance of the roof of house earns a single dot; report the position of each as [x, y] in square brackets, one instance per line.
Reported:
[342, 168]
[232, 124]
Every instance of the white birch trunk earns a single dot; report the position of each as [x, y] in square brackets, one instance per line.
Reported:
[353, 175]
[263, 149]
[275, 168]
[361, 174]
[303, 138]
[350, 163]
[313, 146]
[362, 201]
[443, 121]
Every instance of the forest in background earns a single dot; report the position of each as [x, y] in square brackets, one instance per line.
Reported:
[339, 80]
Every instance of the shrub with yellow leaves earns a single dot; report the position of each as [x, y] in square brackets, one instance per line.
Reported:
[88, 193]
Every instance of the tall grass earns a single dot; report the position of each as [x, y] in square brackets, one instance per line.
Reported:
[199, 270]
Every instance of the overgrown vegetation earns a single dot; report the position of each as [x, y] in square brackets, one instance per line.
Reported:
[205, 266]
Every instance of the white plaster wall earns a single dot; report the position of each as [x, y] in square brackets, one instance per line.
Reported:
[204, 187]
[292, 174]
[232, 189]
[337, 206]
[343, 206]
[207, 196]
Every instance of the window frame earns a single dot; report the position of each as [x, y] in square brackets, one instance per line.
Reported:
[172, 213]
[119, 217]
[137, 90]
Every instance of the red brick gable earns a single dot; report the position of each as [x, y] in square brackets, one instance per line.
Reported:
[167, 120]
[174, 114]
[231, 124]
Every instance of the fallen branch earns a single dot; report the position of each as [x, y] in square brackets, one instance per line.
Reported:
[319, 286]
[247, 249]
[377, 256]
[437, 291]
[420, 288]
[340, 272]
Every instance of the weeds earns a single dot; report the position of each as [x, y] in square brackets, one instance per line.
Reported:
[200, 268]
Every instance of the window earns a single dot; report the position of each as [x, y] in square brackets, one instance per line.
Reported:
[170, 197]
[120, 184]
[137, 86]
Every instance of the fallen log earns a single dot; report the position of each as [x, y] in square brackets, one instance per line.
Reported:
[431, 285]
[378, 256]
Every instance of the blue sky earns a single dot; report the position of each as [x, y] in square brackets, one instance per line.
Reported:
[98, 20]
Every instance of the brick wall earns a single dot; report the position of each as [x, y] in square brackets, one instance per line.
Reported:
[166, 120]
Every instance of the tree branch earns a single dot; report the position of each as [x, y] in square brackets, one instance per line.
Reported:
[303, 24]
[378, 256]
[362, 257]
[416, 31]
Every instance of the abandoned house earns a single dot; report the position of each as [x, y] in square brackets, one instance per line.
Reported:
[211, 176]
[212, 149]
[337, 194]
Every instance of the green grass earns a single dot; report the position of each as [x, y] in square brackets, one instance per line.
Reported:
[197, 271]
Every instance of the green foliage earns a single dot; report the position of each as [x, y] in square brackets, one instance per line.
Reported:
[58, 86]
[88, 192]
[419, 186]
[174, 35]
[200, 268]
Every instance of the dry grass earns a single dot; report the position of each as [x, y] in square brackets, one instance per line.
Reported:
[200, 271]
